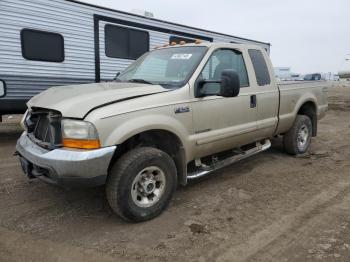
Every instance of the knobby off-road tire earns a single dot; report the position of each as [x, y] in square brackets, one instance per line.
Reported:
[297, 140]
[131, 181]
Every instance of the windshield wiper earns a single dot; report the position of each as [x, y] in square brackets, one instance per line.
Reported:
[143, 81]
[116, 77]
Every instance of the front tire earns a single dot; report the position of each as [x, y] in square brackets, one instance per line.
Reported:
[297, 140]
[141, 184]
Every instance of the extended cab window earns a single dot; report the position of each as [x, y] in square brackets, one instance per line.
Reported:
[42, 46]
[126, 43]
[261, 71]
[219, 61]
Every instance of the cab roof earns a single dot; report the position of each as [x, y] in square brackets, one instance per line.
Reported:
[215, 45]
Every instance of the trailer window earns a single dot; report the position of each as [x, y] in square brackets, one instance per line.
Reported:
[261, 71]
[42, 46]
[125, 43]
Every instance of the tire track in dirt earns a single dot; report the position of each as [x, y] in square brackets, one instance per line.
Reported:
[297, 240]
[280, 228]
[16, 246]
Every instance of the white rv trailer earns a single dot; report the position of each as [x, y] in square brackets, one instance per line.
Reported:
[46, 43]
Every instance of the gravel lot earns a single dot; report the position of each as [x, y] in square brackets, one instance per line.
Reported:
[271, 207]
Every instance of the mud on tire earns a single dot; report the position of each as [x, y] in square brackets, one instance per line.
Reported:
[297, 140]
[133, 176]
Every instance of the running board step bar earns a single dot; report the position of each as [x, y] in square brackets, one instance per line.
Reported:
[260, 147]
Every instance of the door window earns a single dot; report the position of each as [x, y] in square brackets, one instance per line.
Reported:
[219, 61]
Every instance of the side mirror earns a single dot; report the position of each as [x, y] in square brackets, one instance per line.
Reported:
[229, 85]
[2, 88]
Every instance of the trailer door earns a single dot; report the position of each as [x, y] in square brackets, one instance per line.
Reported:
[119, 42]
[119, 46]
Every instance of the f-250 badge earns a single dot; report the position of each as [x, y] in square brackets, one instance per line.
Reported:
[182, 109]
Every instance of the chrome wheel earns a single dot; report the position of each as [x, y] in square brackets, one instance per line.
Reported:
[148, 186]
[303, 137]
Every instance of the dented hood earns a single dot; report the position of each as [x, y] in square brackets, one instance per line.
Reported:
[78, 100]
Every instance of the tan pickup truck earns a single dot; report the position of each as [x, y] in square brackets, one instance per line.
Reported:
[177, 113]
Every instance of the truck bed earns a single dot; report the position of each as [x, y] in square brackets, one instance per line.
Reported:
[292, 92]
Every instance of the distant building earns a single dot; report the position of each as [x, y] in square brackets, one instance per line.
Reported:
[296, 77]
[330, 76]
[283, 73]
[286, 74]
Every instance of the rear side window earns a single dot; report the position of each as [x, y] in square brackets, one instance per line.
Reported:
[42, 46]
[125, 43]
[260, 67]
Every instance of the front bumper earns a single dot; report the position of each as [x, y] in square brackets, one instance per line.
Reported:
[66, 167]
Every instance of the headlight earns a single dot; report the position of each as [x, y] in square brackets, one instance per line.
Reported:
[79, 134]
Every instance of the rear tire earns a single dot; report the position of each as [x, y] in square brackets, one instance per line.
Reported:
[141, 184]
[297, 140]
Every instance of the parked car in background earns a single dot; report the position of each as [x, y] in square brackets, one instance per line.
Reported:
[313, 77]
[344, 72]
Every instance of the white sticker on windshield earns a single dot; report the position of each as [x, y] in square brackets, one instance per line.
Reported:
[181, 56]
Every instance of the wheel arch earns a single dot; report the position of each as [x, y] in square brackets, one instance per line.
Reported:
[162, 139]
[309, 108]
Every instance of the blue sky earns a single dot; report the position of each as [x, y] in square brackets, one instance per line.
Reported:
[309, 36]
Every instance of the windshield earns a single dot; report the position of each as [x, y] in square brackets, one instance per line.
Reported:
[170, 67]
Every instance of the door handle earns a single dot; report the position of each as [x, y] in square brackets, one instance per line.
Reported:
[253, 101]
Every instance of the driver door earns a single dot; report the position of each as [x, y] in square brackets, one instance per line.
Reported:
[222, 123]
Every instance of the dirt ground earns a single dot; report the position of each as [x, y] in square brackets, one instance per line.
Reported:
[271, 207]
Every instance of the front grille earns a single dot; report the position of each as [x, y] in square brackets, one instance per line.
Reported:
[44, 128]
